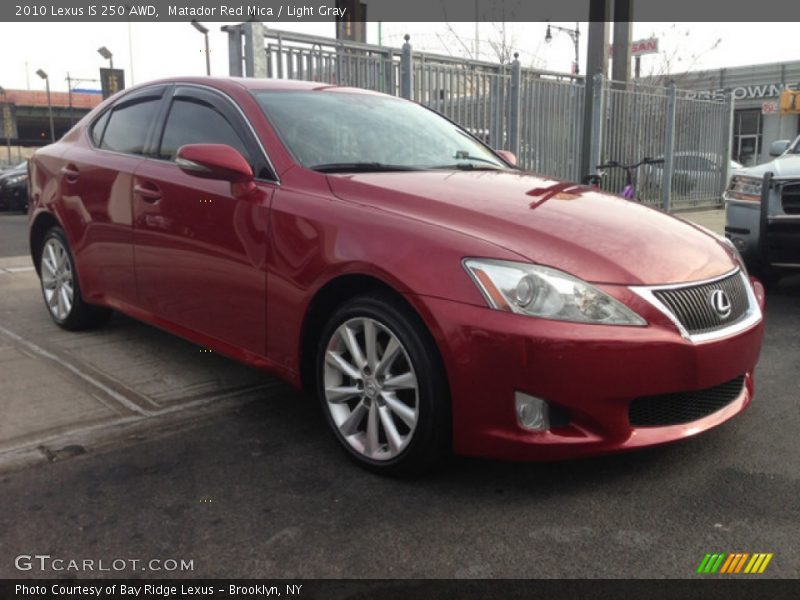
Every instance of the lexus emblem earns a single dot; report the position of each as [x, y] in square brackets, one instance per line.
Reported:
[721, 304]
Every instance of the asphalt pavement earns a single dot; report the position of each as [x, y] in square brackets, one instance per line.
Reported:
[13, 234]
[255, 485]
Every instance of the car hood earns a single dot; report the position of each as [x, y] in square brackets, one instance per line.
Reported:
[783, 166]
[596, 236]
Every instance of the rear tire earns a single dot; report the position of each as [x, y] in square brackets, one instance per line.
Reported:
[382, 386]
[60, 287]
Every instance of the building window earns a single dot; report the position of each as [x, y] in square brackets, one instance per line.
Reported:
[747, 129]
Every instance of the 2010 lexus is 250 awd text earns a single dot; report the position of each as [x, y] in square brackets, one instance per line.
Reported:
[434, 297]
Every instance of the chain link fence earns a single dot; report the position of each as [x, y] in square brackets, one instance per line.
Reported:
[538, 115]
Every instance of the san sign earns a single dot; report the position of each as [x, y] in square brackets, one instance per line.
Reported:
[640, 47]
[648, 46]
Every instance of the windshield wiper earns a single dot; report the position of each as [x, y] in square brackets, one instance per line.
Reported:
[470, 167]
[464, 155]
[355, 167]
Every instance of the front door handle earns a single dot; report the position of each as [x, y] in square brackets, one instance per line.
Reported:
[148, 191]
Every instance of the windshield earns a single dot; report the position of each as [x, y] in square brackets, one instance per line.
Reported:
[795, 149]
[340, 131]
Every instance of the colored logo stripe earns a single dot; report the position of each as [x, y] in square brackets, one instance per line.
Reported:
[736, 562]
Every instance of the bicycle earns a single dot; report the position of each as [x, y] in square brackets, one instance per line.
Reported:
[629, 191]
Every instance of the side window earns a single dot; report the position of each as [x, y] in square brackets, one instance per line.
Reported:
[192, 121]
[128, 126]
[98, 128]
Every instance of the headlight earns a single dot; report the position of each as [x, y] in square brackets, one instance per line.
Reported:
[17, 179]
[546, 293]
[745, 188]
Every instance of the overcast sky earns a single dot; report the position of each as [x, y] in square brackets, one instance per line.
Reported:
[171, 49]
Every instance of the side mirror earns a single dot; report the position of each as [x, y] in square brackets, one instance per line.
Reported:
[214, 161]
[779, 147]
[507, 156]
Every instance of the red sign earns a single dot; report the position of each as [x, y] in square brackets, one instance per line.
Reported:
[768, 108]
[639, 47]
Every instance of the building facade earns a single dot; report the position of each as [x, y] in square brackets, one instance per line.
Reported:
[756, 89]
[25, 115]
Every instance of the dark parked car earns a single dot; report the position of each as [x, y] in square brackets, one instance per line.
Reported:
[14, 188]
[431, 295]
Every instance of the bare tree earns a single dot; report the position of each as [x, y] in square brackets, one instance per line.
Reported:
[674, 66]
[501, 42]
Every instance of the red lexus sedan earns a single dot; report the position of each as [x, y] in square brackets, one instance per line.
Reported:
[433, 296]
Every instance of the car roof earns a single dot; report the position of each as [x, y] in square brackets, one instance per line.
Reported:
[256, 84]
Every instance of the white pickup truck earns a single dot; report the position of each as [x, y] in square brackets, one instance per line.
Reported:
[762, 213]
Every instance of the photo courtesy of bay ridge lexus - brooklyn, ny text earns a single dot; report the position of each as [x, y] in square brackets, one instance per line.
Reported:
[370, 299]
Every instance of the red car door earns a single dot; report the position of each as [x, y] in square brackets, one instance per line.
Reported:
[96, 180]
[200, 250]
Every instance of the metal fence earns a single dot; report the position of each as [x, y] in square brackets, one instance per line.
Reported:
[691, 136]
[551, 134]
[311, 58]
[538, 115]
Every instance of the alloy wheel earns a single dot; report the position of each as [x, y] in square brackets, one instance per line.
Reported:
[371, 388]
[58, 281]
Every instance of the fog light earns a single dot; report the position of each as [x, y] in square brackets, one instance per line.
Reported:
[740, 244]
[532, 412]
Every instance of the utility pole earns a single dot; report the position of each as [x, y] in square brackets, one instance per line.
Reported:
[130, 52]
[6, 122]
[621, 55]
[596, 63]
[44, 76]
[69, 95]
[477, 32]
[204, 31]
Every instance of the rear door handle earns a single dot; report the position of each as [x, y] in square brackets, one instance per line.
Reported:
[70, 173]
[148, 191]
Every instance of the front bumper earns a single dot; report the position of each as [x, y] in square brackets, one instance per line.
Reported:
[771, 238]
[592, 371]
[742, 227]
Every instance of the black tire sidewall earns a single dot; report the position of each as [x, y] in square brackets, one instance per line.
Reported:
[430, 441]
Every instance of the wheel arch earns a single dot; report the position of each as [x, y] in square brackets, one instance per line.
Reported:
[333, 294]
[41, 224]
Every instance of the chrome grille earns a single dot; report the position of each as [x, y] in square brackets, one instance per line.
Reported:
[691, 305]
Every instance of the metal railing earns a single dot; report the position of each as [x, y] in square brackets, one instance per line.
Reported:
[691, 136]
[550, 126]
[536, 114]
[311, 58]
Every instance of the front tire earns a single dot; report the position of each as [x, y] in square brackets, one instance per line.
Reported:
[60, 288]
[382, 387]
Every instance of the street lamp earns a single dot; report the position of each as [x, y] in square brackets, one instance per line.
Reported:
[6, 123]
[574, 35]
[204, 31]
[106, 53]
[44, 76]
